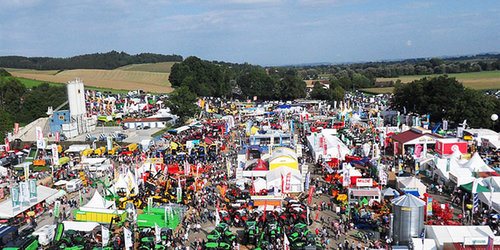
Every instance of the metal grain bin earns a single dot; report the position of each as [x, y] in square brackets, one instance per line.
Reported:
[408, 219]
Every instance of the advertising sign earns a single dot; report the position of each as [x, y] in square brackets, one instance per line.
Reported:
[429, 206]
[447, 148]
[33, 190]
[364, 182]
[55, 155]
[25, 193]
[16, 201]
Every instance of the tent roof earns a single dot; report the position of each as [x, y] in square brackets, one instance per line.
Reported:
[389, 191]
[261, 166]
[476, 164]
[83, 226]
[98, 201]
[6, 205]
[283, 151]
[276, 173]
[480, 188]
[408, 200]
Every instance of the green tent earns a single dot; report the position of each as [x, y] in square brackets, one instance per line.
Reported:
[480, 188]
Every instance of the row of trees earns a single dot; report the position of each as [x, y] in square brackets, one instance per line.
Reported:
[22, 105]
[244, 81]
[421, 66]
[109, 60]
[445, 98]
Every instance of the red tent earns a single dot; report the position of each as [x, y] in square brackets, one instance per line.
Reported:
[261, 166]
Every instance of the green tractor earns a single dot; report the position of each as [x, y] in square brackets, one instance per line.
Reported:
[217, 246]
[148, 243]
[251, 232]
[221, 233]
[273, 231]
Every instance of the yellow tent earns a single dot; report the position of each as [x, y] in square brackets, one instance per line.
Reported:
[283, 156]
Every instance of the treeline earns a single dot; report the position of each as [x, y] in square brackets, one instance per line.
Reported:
[22, 105]
[243, 81]
[445, 98]
[421, 66]
[109, 60]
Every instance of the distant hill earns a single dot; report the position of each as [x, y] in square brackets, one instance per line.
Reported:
[109, 60]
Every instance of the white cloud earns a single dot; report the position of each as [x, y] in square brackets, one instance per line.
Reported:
[409, 43]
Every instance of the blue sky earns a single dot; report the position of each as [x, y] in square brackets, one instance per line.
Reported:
[265, 32]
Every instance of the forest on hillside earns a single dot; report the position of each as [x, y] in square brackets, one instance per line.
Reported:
[109, 60]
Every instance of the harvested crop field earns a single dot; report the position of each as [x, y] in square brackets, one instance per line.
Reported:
[112, 79]
[474, 80]
[163, 67]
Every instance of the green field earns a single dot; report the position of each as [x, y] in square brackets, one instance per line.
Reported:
[163, 67]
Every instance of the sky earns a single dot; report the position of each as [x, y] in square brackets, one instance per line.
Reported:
[263, 32]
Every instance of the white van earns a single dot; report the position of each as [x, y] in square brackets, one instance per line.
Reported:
[74, 185]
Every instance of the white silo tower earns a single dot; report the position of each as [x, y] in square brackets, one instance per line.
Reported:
[77, 109]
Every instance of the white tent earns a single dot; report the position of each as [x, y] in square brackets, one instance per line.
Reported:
[485, 197]
[461, 175]
[82, 226]
[259, 184]
[412, 182]
[476, 164]
[98, 201]
[333, 144]
[274, 179]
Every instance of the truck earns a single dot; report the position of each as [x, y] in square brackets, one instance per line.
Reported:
[74, 185]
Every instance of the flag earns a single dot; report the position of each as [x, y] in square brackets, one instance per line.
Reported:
[157, 233]
[7, 145]
[490, 245]
[288, 180]
[57, 136]
[128, 238]
[475, 196]
[265, 208]
[286, 243]
[80, 196]
[105, 236]
[399, 120]
[217, 216]
[311, 193]
[186, 168]
[282, 183]
[16, 128]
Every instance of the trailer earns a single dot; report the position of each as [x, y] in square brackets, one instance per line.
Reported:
[101, 215]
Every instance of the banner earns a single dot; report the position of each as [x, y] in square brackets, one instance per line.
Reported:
[16, 128]
[7, 145]
[105, 236]
[179, 195]
[9, 137]
[39, 138]
[157, 233]
[57, 208]
[33, 190]
[311, 193]
[25, 193]
[55, 155]
[57, 136]
[128, 238]
[150, 204]
[288, 180]
[16, 201]
[429, 206]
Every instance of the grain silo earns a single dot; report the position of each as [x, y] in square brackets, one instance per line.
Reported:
[408, 219]
[77, 109]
